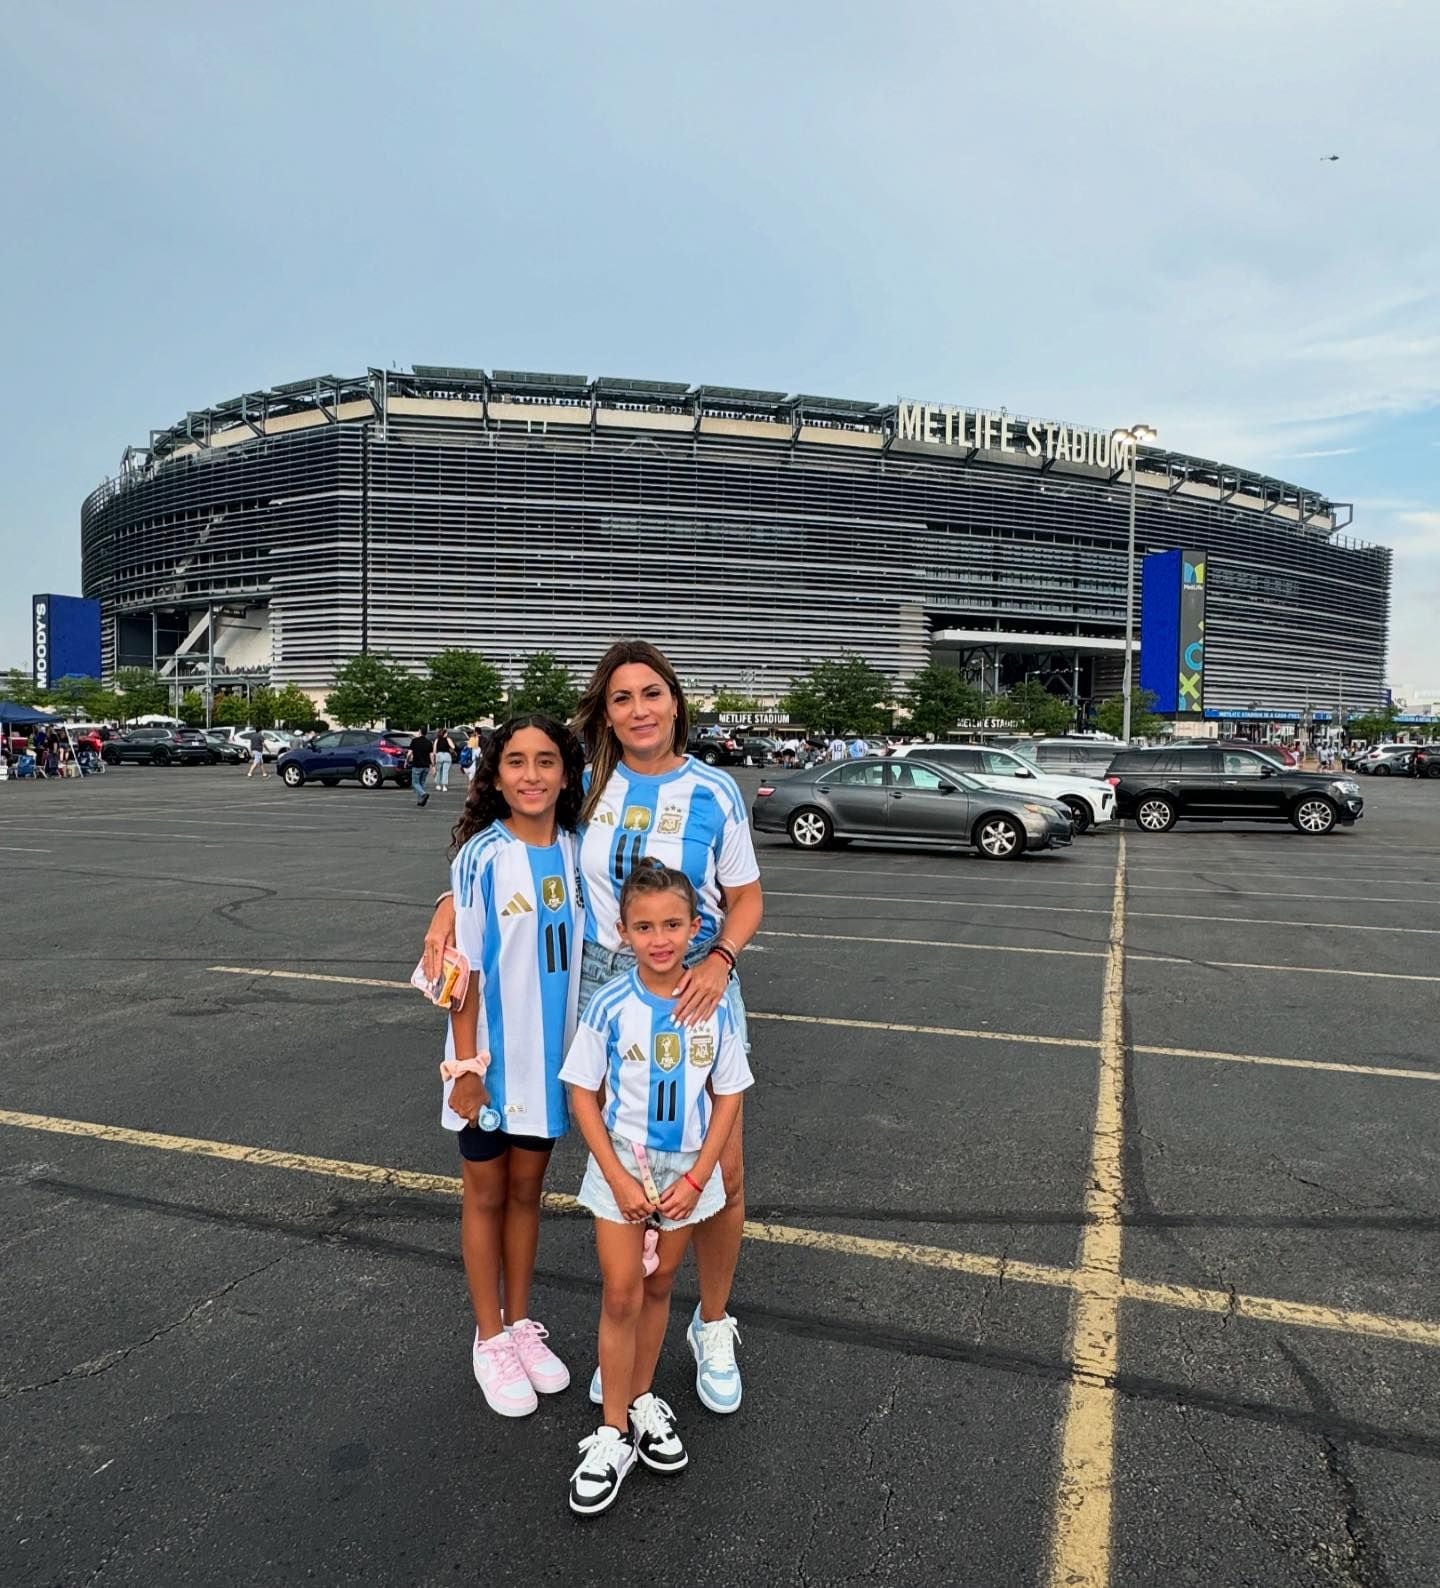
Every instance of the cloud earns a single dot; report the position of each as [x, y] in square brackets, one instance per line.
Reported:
[1323, 452]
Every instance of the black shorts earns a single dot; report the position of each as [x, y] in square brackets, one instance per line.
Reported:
[482, 1146]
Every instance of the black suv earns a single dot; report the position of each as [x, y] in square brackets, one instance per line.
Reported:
[160, 747]
[1426, 761]
[1219, 783]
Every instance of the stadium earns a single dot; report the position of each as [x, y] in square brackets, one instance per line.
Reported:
[749, 533]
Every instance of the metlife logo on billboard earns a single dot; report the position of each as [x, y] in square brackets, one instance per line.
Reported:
[41, 652]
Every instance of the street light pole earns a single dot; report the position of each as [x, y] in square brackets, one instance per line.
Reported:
[1134, 436]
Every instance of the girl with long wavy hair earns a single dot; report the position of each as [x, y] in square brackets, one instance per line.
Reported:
[517, 921]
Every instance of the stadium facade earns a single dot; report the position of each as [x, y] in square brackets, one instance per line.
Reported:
[749, 533]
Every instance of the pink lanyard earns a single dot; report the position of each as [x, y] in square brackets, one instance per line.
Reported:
[649, 1251]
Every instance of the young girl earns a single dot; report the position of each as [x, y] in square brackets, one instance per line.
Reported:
[516, 921]
[654, 1160]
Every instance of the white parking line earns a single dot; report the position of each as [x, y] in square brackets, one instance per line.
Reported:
[1083, 909]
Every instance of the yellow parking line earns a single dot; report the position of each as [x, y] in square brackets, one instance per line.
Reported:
[981, 1265]
[1081, 1537]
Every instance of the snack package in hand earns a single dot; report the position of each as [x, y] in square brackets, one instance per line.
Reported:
[447, 990]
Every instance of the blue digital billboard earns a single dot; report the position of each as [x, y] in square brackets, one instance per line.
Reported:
[1172, 631]
[65, 638]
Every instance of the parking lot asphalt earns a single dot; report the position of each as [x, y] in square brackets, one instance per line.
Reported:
[1093, 1197]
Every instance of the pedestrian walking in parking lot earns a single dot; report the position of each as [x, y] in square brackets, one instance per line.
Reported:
[256, 741]
[654, 1163]
[837, 748]
[444, 760]
[418, 757]
[646, 796]
[517, 921]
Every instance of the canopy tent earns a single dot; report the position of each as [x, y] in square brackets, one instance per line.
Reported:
[18, 716]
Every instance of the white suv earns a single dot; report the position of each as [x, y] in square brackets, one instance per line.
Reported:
[1090, 799]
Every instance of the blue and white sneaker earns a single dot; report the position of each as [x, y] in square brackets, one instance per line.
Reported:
[717, 1374]
[597, 1394]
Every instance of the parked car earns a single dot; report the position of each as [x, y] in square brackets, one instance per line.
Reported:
[1090, 799]
[890, 800]
[1077, 754]
[1386, 760]
[1213, 783]
[228, 751]
[758, 749]
[1426, 761]
[715, 747]
[373, 758]
[160, 747]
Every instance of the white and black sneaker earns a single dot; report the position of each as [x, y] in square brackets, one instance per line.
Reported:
[657, 1443]
[606, 1456]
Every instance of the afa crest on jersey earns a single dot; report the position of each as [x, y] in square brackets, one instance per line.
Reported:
[702, 1048]
[671, 821]
[667, 1049]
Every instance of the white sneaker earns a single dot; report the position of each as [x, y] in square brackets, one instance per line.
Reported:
[546, 1372]
[656, 1441]
[717, 1374]
[606, 1457]
[499, 1374]
[597, 1390]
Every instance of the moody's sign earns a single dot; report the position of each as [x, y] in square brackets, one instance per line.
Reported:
[65, 639]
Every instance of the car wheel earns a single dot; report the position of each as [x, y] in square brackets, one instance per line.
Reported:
[112, 758]
[1080, 811]
[160, 758]
[293, 775]
[330, 782]
[371, 777]
[211, 759]
[710, 757]
[1433, 770]
[1155, 814]
[1315, 816]
[810, 829]
[999, 838]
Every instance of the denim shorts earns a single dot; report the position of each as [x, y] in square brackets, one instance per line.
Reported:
[667, 1167]
[599, 965]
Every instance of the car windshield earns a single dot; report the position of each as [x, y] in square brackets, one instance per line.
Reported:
[1025, 755]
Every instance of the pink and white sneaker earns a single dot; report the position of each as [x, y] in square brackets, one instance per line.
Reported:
[545, 1371]
[499, 1374]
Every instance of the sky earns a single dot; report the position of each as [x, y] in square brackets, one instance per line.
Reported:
[1104, 212]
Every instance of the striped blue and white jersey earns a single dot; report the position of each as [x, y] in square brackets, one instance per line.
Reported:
[516, 921]
[692, 819]
[655, 1071]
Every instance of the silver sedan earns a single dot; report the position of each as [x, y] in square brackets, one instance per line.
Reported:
[906, 802]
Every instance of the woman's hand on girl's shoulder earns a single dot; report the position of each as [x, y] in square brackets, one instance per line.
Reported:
[700, 990]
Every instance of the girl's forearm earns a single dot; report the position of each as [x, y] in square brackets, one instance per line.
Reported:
[465, 1025]
[722, 1122]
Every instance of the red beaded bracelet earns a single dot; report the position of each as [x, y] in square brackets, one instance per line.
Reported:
[691, 1183]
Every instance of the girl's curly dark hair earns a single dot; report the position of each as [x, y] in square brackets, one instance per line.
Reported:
[485, 804]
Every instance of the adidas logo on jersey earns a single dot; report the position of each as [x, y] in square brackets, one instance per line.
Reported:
[519, 905]
[604, 817]
[635, 1054]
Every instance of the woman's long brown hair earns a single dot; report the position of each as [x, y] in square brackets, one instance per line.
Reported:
[602, 748]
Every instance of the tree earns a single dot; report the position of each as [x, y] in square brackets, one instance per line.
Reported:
[192, 709]
[262, 707]
[1110, 714]
[230, 711]
[408, 703]
[733, 700]
[294, 708]
[1376, 727]
[363, 687]
[938, 698]
[846, 696]
[144, 693]
[463, 687]
[19, 686]
[78, 696]
[546, 686]
[1029, 705]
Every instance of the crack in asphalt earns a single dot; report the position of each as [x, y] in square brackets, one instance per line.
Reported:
[94, 1367]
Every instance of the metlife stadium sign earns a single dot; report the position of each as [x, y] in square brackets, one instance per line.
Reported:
[977, 430]
[65, 639]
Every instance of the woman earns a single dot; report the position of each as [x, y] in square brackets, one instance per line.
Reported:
[645, 796]
[444, 760]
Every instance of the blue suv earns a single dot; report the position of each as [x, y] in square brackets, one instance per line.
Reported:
[373, 758]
